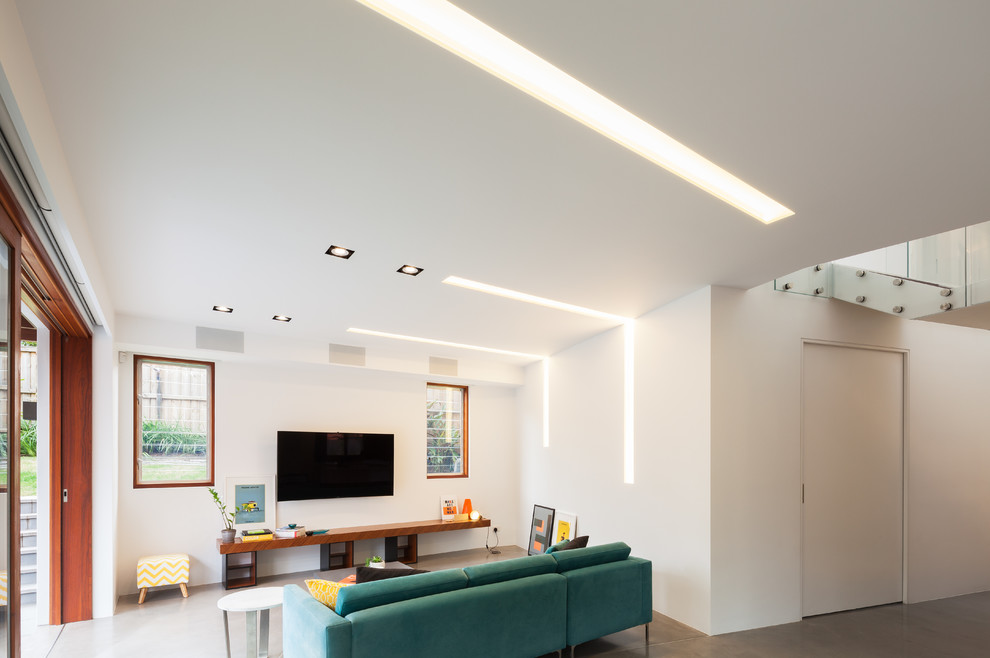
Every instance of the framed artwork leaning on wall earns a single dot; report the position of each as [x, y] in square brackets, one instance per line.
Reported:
[540, 533]
[564, 527]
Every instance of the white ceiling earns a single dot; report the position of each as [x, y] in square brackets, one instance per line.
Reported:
[219, 148]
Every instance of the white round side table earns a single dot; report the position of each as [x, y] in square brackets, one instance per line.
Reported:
[251, 601]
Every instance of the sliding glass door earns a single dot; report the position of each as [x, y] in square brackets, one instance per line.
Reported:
[10, 432]
[9, 451]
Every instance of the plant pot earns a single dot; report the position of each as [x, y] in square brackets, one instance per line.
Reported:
[376, 565]
[227, 535]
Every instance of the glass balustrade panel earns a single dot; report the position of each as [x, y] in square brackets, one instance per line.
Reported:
[939, 258]
[978, 263]
[889, 260]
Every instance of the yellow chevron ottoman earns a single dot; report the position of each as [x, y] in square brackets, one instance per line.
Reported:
[155, 570]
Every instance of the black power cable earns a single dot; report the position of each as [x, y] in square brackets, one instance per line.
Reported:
[494, 549]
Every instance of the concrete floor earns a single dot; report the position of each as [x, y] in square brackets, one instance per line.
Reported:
[168, 625]
[958, 627]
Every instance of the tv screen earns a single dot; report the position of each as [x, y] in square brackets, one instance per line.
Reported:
[313, 465]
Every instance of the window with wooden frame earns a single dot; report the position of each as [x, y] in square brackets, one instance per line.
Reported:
[173, 422]
[446, 431]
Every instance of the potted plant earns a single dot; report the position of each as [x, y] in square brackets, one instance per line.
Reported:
[375, 561]
[228, 532]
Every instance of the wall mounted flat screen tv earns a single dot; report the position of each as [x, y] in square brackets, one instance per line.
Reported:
[315, 465]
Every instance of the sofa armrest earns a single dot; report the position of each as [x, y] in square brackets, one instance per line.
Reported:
[608, 598]
[310, 629]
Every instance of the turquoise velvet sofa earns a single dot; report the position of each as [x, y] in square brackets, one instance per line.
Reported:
[523, 607]
[607, 591]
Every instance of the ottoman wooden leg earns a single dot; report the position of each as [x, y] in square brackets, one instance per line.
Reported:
[185, 592]
[144, 592]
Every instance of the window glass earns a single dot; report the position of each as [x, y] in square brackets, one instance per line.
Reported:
[173, 427]
[446, 431]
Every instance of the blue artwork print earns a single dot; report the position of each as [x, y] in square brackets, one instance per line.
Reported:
[250, 500]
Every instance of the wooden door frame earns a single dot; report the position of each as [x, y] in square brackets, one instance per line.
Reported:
[42, 290]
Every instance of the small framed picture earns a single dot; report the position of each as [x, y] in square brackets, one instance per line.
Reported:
[564, 527]
[448, 508]
[542, 529]
[254, 497]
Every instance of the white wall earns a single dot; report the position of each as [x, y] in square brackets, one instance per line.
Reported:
[756, 458]
[948, 457]
[254, 401]
[178, 339]
[664, 516]
[105, 485]
[716, 504]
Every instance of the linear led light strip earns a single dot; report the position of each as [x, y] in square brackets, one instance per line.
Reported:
[629, 362]
[532, 299]
[465, 36]
[432, 341]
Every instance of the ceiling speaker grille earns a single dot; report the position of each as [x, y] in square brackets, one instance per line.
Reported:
[219, 339]
[347, 355]
[440, 366]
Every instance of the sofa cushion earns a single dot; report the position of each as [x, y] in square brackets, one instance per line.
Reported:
[370, 595]
[569, 544]
[325, 591]
[369, 574]
[577, 542]
[497, 572]
[590, 556]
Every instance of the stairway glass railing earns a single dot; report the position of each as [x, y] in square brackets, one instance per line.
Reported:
[978, 263]
[889, 260]
[937, 259]
[954, 266]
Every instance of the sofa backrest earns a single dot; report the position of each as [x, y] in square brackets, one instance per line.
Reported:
[515, 618]
[590, 556]
[497, 572]
[382, 592]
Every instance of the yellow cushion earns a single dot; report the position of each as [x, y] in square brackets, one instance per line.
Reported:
[155, 570]
[325, 591]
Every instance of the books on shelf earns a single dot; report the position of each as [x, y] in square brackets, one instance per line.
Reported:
[256, 535]
[286, 532]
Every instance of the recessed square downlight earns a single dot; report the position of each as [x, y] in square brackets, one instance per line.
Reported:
[281, 318]
[411, 270]
[223, 309]
[339, 252]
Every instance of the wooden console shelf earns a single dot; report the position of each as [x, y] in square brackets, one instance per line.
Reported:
[238, 573]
